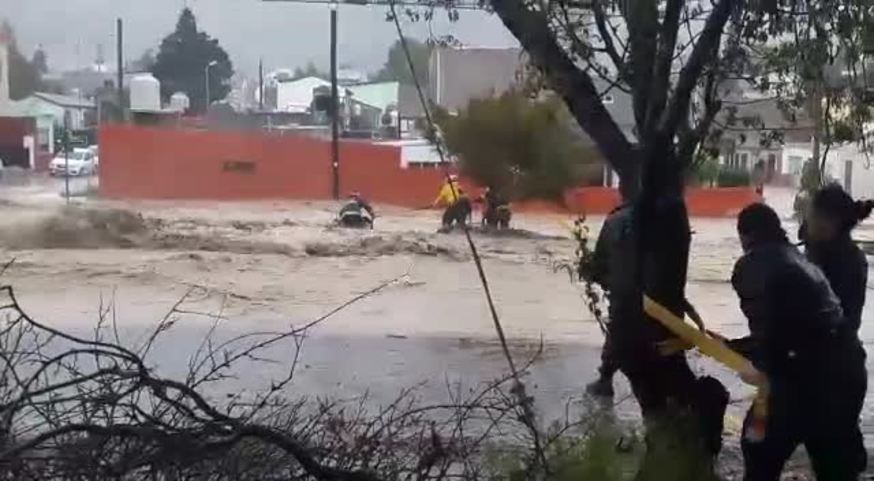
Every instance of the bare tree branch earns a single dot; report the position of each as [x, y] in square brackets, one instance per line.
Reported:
[689, 75]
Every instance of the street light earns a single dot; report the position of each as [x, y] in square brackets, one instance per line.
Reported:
[206, 75]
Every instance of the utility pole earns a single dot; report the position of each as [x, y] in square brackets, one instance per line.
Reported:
[206, 75]
[261, 85]
[120, 81]
[335, 106]
[67, 156]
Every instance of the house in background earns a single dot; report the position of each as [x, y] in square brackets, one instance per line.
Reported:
[296, 96]
[758, 131]
[27, 137]
[80, 112]
[374, 109]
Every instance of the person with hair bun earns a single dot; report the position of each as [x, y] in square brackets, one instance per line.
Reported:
[807, 350]
[826, 232]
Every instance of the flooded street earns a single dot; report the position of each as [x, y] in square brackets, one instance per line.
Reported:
[262, 267]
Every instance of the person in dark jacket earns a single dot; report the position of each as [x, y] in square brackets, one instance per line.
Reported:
[357, 212]
[826, 234]
[807, 350]
[828, 244]
[496, 209]
[612, 261]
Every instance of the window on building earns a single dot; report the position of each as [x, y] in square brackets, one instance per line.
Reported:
[43, 139]
[796, 164]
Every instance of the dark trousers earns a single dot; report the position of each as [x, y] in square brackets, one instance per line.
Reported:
[457, 213]
[657, 384]
[609, 363]
[823, 416]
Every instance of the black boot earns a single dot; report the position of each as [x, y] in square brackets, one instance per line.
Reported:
[602, 387]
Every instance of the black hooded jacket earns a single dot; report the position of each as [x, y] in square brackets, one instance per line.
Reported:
[846, 269]
[795, 318]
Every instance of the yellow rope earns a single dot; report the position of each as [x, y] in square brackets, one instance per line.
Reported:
[718, 351]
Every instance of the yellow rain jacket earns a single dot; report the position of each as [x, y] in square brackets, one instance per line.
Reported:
[448, 194]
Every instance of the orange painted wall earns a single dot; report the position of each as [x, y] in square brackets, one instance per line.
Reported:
[158, 163]
[155, 163]
[721, 202]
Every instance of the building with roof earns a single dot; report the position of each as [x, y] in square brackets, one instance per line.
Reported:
[758, 130]
[296, 96]
[79, 111]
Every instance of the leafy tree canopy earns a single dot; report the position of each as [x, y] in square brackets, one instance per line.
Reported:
[398, 69]
[25, 77]
[183, 59]
[40, 61]
[674, 57]
[310, 71]
[145, 63]
[522, 147]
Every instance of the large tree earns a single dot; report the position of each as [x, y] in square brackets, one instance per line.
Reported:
[24, 77]
[671, 56]
[524, 148]
[181, 64]
[40, 61]
[397, 68]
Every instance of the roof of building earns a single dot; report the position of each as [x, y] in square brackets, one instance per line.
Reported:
[66, 101]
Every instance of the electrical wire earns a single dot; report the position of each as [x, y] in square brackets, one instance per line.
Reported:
[526, 403]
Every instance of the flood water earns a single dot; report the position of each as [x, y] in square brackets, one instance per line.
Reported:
[267, 266]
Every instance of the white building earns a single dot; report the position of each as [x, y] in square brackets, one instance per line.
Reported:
[296, 96]
[851, 166]
[41, 104]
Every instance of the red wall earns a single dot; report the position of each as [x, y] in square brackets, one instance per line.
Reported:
[722, 202]
[158, 163]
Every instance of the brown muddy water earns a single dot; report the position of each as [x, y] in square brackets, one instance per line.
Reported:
[267, 266]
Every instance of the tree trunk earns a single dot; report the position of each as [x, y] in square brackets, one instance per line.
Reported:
[682, 414]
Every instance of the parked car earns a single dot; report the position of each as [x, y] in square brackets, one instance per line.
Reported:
[96, 151]
[80, 162]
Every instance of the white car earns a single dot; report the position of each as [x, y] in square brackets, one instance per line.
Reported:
[79, 162]
[95, 150]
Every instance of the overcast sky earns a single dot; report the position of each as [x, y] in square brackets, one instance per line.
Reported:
[284, 34]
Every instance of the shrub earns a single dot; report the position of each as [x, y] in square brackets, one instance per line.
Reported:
[525, 147]
[732, 177]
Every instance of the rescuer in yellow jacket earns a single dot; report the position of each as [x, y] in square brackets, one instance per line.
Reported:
[458, 206]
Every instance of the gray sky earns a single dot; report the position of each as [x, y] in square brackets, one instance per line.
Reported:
[285, 34]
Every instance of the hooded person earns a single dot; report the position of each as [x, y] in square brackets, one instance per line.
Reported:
[807, 350]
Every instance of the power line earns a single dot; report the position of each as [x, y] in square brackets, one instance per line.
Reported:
[456, 4]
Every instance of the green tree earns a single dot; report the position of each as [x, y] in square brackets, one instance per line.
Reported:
[24, 78]
[40, 61]
[398, 69]
[310, 71]
[522, 147]
[671, 57]
[182, 62]
[145, 63]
